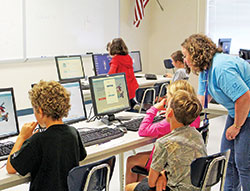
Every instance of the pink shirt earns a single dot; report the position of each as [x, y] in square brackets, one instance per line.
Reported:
[157, 130]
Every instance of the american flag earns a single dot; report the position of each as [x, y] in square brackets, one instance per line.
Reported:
[139, 11]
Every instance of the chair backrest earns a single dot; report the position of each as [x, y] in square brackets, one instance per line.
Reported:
[208, 171]
[91, 177]
[204, 130]
[145, 95]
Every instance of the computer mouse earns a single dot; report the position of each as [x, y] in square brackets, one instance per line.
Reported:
[123, 129]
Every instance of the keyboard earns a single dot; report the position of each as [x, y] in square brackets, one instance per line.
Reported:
[5, 149]
[100, 135]
[134, 124]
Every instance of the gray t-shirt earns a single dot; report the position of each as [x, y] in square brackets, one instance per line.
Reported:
[180, 74]
[174, 153]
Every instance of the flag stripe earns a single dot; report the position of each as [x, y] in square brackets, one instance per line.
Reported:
[139, 11]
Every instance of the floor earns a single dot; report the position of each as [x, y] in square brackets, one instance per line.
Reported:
[216, 130]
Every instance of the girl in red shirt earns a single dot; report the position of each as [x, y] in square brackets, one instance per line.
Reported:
[122, 62]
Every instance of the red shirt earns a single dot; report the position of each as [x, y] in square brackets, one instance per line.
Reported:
[124, 63]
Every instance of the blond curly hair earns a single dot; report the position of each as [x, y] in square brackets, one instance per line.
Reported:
[180, 85]
[52, 98]
[201, 50]
[186, 107]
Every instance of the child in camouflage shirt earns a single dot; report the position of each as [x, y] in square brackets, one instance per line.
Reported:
[175, 151]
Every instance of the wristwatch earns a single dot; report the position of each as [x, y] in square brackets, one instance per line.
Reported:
[237, 127]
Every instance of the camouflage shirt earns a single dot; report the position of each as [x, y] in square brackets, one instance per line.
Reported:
[174, 153]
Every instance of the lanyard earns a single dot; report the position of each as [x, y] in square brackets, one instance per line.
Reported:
[205, 121]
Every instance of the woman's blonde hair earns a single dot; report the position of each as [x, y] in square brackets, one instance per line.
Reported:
[186, 107]
[180, 85]
[52, 98]
[201, 50]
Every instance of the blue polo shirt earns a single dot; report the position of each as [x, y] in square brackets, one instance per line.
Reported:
[228, 79]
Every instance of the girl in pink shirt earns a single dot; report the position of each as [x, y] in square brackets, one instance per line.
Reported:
[155, 130]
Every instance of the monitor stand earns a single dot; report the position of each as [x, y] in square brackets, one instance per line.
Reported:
[107, 120]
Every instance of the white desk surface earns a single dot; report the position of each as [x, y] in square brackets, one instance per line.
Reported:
[129, 141]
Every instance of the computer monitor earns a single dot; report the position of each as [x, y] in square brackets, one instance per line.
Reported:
[244, 53]
[101, 63]
[88, 65]
[77, 111]
[109, 95]
[69, 67]
[136, 57]
[8, 116]
[225, 44]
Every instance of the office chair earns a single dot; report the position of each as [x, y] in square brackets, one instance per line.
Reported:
[91, 177]
[168, 64]
[204, 130]
[144, 95]
[160, 90]
[208, 171]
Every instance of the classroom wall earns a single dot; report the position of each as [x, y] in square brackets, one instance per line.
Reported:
[170, 27]
[159, 34]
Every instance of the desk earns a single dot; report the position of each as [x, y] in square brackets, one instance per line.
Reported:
[129, 141]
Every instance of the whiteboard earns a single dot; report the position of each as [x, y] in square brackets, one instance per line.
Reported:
[63, 27]
[11, 30]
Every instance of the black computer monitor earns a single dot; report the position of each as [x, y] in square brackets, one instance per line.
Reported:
[244, 53]
[109, 95]
[8, 116]
[69, 67]
[101, 63]
[225, 44]
[136, 57]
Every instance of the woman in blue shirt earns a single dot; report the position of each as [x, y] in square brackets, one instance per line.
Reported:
[228, 84]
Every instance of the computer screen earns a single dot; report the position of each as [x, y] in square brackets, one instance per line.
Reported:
[77, 111]
[136, 57]
[8, 115]
[109, 94]
[101, 63]
[87, 61]
[69, 67]
[225, 44]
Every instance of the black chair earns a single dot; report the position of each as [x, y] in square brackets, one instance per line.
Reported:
[91, 177]
[145, 95]
[160, 90]
[208, 171]
[168, 64]
[204, 130]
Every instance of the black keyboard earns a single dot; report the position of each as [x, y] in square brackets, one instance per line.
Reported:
[134, 124]
[100, 135]
[5, 149]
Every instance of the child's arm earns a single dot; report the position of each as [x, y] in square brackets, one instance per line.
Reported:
[153, 176]
[26, 132]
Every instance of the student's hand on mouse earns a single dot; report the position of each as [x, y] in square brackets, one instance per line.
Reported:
[161, 105]
[27, 130]
[168, 75]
